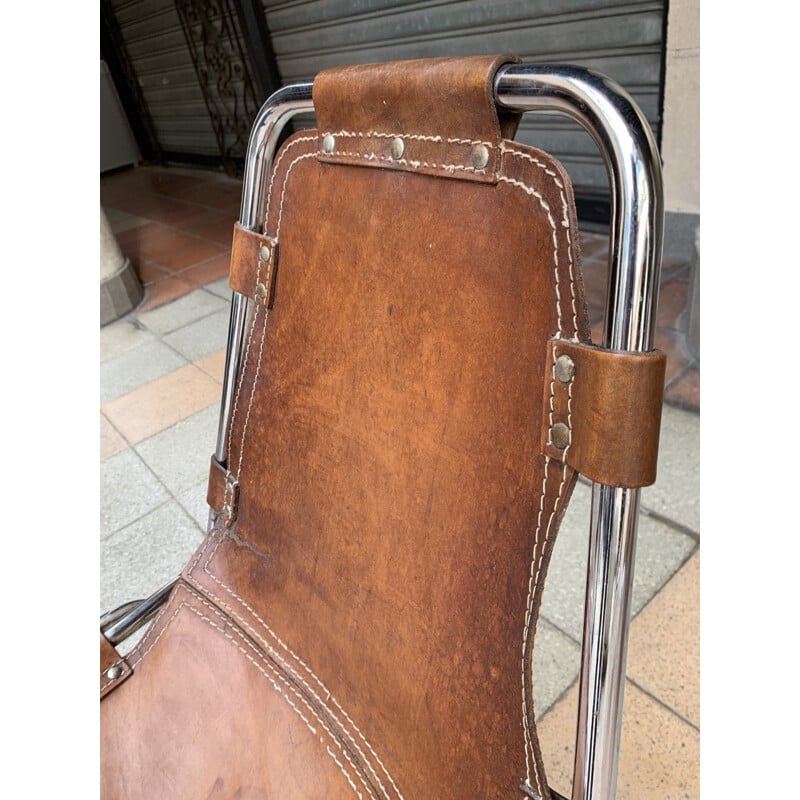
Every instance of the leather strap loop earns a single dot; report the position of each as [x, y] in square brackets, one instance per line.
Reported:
[602, 411]
[254, 261]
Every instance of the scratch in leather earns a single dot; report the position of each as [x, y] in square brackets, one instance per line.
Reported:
[236, 539]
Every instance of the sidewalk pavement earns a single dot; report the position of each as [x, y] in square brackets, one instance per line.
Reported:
[161, 372]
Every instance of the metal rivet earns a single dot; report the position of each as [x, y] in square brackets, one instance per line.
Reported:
[565, 369]
[480, 156]
[264, 253]
[261, 290]
[398, 147]
[112, 673]
[328, 143]
[559, 435]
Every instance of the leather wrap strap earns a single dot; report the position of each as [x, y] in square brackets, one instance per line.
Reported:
[254, 260]
[602, 412]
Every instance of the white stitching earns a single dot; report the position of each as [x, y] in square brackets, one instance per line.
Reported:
[329, 696]
[289, 169]
[421, 137]
[264, 327]
[533, 580]
[273, 669]
[451, 168]
[346, 773]
[531, 191]
[254, 319]
[530, 760]
[275, 166]
[564, 221]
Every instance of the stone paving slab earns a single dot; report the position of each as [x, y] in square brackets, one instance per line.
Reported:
[181, 454]
[202, 337]
[136, 366]
[220, 288]
[661, 551]
[676, 492]
[121, 336]
[193, 501]
[140, 558]
[556, 666]
[180, 312]
[128, 490]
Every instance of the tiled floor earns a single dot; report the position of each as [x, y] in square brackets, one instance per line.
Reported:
[161, 369]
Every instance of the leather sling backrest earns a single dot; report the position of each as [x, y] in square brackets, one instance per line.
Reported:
[360, 620]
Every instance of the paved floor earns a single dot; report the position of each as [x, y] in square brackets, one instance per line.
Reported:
[161, 368]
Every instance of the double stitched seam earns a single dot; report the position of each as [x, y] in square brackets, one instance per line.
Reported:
[329, 697]
[418, 137]
[264, 326]
[261, 668]
[449, 168]
[253, 322]
[529, 631]
[534, 574]
[565, 223]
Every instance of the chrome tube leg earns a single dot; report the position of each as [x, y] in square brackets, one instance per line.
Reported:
[612, 550]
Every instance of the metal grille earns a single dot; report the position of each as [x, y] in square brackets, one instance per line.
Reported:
[621, 39]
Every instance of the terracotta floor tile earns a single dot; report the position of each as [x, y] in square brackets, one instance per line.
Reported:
[150, 272]
[664, 645]
[111, 442]
[215, 225]
[213, 364]
[659, 753]
[166, 246]
[170, 211]
[188, 253]
[220, 230]
[209, 271]
[156, 294]
[161, 403]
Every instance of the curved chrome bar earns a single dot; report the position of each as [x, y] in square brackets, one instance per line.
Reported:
[634, 169]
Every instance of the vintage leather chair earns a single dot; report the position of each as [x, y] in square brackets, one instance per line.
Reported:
[410, 391]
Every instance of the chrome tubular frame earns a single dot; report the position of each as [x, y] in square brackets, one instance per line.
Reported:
[609, 114]
[612, 118]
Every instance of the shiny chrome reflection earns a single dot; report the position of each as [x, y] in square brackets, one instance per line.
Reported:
[127, 623]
